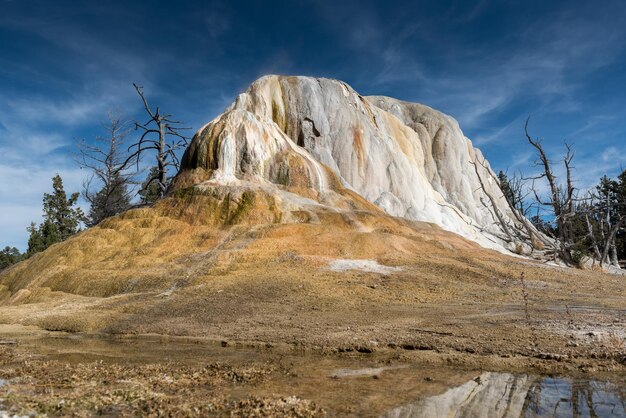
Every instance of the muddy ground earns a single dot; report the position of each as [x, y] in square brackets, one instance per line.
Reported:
[62, 374]
[58, 374]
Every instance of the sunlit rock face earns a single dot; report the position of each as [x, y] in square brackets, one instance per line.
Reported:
[319, 137]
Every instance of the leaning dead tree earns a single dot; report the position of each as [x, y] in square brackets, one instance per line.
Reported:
[516, 193]
[161, 136]
[561, 198]
[513, 232]
[493, 207]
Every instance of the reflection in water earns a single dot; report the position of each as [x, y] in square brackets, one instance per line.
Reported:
[347, 386]
[507, 395]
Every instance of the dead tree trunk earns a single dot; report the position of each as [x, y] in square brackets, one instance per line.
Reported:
[162, 136]
[494, 205]
[562, 203]
[592, 237]
[610, 242]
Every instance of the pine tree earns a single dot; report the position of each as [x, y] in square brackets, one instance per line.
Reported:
[150, 189]
[505, 186]
[9, 256]
[542, 225]
[113, 198]
[42, 236]
[61, 219]
[59, 210]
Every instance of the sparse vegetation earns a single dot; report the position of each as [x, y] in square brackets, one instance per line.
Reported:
[54, 388]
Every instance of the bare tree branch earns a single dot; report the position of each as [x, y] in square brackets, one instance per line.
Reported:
[158, 136]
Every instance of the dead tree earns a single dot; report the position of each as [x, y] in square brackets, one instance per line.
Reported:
[520, 193]
[106, 161]
[561, 199]
[609, 244]
[610, 214]
[516, 193]
[162, 136]
[589, 215]
[493, 209]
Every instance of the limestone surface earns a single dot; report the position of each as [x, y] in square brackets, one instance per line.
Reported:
[319, 138]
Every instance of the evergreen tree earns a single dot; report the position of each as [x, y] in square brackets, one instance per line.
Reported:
[150, 189]
[42, 236]
[59, 210]
[9, 256]
[113, 198]
[505, 186]
[542, 225]
[61, 219]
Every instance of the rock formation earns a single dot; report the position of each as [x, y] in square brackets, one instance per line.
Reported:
[319, 139]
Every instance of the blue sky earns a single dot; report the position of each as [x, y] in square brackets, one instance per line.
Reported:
[488, 63]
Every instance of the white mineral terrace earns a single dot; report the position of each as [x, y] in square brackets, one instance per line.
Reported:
[408, 159]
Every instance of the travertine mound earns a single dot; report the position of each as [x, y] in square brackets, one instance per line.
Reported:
[319, 138]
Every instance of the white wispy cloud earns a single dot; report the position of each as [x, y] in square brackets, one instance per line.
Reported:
[546, 62]
[497, 133]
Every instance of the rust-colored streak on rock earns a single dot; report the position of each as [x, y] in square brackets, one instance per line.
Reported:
[358, 144]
